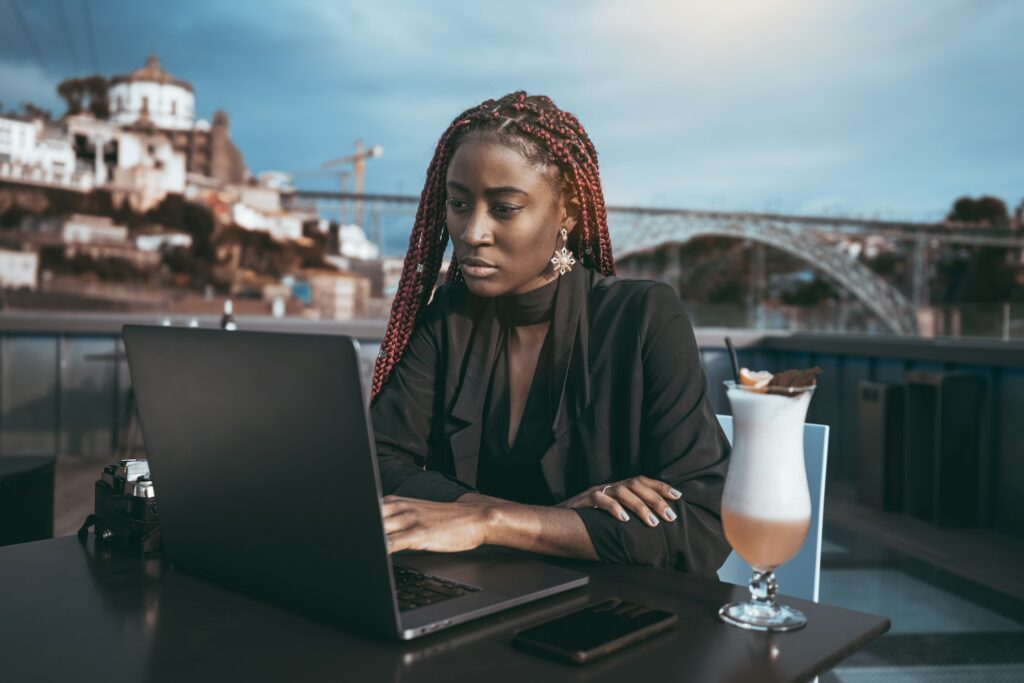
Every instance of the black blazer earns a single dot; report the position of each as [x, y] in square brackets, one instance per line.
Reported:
[633, 401]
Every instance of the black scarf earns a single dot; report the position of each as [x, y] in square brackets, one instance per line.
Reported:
[569, 342]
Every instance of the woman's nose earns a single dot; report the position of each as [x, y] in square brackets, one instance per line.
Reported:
[478, 230]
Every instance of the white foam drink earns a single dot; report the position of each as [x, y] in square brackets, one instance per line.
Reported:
[766, 505]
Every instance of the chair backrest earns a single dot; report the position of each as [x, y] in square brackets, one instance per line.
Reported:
[798, 577]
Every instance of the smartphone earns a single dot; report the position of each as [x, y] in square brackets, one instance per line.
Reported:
[594, 631]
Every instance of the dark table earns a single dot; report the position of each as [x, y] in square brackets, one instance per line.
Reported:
[70, 612]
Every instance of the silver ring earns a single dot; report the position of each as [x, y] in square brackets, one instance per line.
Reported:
[605, 488]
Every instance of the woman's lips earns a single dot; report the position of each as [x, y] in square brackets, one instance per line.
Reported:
[478, 271]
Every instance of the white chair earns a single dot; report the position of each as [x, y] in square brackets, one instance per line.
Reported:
[799, 577]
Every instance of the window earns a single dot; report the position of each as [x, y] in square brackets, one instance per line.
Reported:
[174, 108]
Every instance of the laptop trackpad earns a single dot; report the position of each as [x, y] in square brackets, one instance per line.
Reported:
[479, 567]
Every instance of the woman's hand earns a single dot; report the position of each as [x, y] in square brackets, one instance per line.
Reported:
[414, 524]
[642, 495]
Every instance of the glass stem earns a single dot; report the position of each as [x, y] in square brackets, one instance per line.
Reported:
[763, 588]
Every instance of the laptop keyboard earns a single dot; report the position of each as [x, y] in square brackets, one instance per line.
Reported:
[416, 589]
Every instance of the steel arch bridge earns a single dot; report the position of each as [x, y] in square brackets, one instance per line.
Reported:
[634, 233]
[814, 239]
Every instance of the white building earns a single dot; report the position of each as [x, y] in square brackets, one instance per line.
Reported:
[147, 148]
[260, 197]
[55, 153]
[354, 243]
[338, 296]
[31, 151]
[282, 225]
[259, 208]
[392, 268]
[18, 268]
[140, 162]
[17, 140]
[277, 180]
[160, 240]
[98, 238]
[148, 169]
[83, 229]
[151, 92]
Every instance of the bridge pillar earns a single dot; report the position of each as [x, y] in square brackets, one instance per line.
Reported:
[756, 286]
[920, 294]
[672, 274]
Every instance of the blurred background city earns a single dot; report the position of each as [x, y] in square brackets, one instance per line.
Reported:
[833, 184]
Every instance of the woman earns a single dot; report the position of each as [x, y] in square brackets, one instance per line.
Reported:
[537, 401]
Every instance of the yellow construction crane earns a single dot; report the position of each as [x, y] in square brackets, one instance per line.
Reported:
[358, 161]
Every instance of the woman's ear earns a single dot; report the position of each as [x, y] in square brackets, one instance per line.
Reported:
[570, 209]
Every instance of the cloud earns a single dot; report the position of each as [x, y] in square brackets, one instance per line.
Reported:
[689, 102]
[26, 82]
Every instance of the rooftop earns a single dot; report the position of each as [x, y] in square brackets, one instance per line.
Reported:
[151, 73]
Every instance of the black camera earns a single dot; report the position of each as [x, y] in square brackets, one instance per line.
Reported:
[125, 516]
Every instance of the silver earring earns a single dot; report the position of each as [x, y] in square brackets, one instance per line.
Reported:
[563, 258]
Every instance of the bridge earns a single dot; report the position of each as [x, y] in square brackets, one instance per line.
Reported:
[820, 241]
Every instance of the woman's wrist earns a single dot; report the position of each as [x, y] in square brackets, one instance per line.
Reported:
[489, 520]
[542, 529]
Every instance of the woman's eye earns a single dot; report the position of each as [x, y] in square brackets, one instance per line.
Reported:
[500, 209]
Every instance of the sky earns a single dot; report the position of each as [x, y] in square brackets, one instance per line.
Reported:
[866, 108]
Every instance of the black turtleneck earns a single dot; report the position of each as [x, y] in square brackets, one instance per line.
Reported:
[514, 473]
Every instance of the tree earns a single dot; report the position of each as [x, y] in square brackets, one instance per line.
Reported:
[986, 208]
[97, 88]
[174, 211]
[89, 93]
[72, 91]
[33, 111]
[30, 110]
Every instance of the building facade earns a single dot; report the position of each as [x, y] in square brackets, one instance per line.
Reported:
[38, 152]
[339, 296]
[151, 98]
[152, 93]
[18, 269]
[82, 229]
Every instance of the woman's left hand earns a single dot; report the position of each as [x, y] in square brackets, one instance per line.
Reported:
[414, 524]
[642, 495]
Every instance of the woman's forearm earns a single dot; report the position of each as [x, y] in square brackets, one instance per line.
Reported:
[535, 528]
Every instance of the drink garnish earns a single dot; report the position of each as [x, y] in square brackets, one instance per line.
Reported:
[785, 383]
[790, 382]
[757, 381]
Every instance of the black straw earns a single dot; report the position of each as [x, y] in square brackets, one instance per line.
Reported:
[735, 363]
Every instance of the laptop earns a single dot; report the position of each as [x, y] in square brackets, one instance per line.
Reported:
[262, 453]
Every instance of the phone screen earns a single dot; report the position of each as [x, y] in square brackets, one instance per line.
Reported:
[579, 634]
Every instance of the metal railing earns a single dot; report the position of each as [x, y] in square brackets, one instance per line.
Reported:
[64, 385]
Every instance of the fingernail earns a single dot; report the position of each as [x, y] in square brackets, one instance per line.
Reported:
[623, 516]
[670, 514]
[675, 494]
[652, 518]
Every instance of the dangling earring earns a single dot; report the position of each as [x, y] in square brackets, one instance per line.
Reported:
[563, 258]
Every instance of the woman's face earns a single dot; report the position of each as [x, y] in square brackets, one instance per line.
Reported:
[503, 211]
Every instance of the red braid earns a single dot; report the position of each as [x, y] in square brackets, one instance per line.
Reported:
[544, 134]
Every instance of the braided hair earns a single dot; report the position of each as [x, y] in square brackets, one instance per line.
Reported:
[546, 136]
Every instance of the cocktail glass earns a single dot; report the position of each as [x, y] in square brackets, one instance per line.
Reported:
[766, 505]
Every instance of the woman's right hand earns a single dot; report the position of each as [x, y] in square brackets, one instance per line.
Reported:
[645, 497]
